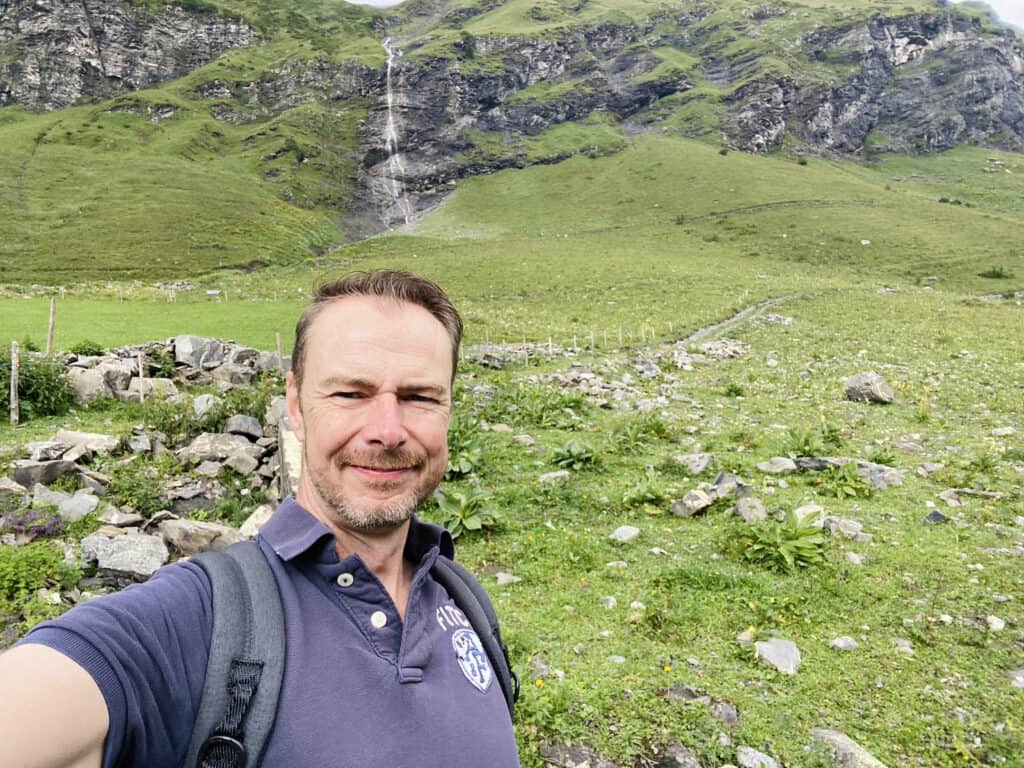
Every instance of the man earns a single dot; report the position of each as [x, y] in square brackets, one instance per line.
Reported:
[372, 676]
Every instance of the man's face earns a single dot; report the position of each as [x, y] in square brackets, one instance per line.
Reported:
[372, 412]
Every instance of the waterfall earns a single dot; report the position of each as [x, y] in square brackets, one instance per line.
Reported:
[394, 170]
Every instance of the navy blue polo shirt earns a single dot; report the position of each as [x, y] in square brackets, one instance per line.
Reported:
[361, 687]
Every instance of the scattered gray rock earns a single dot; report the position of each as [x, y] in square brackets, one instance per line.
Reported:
[951, 497]
[806, 511]
[247, 426]
[203, 404]
[695, 463]
[748, 757]
[868, 387]
[688, 506]
[778, 465]
[216, 446]
[29, 473]
[677, 756]
[685, 693]
[1003, 432]
[853, 558]
[565, 756]
[9, 488]
[78, 506]
[1016, 677]
[880, 476]
[233, 375]
[113, 516]
[197, 352]
[845, 751]
[930, 468]
[256, 520]
[139, 443]
[558, 476]
[726, 484]
[609, 601]
[850, 529]
[93, 441]
[89, 384]
[190, 537]
[779, 653]
[524, 440]
[751, 509]
[726, 711]
[934, 518]
[504, 579]
[242, 463]
[625, 534]
[48, 450]
[903, 646]
[995, 624]
[844, 643]
[136, 556]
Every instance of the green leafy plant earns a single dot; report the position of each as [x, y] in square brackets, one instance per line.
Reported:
[645, 491]
[25, 569]
[43, 387]
[465, 455]
[573, 454]
[464, 509]
[785, 546]
[86, 348]
[843, 482]
[138, 485]
[804, 442]
[734, 389]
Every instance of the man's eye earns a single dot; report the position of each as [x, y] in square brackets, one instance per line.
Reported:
[348, 395]
[421, 399]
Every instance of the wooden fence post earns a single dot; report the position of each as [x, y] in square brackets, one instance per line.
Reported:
[142, 380]
[15, 410]
[50, 327]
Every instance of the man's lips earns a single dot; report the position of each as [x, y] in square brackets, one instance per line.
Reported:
[384, 473]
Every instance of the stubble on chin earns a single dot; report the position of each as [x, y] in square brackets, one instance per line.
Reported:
[366, 514]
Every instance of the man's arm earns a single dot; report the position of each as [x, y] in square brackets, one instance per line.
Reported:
[52, 714]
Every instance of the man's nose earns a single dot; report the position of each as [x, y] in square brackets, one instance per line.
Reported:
[384, 425]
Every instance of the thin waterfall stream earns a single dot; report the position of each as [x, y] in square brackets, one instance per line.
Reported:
[394, 169]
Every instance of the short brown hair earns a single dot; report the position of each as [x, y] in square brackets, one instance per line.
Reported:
[388, 284]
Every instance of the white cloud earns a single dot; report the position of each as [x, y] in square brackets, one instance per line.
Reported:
[1010, 11]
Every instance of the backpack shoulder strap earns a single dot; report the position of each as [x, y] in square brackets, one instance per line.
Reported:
[473, 600]
[246, 662]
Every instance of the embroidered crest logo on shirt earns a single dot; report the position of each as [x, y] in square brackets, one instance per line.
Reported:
[472, 658]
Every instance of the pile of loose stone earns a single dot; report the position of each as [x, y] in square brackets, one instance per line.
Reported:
[136, 372]
[261, 456]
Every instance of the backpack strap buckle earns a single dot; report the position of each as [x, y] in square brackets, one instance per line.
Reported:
[221, 751]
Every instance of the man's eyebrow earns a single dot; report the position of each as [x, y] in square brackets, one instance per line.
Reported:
[356, 383]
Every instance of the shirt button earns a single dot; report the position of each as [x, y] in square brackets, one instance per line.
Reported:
[378, 619]
[345, 579]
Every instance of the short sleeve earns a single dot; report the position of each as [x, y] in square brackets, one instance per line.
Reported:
[146, 647]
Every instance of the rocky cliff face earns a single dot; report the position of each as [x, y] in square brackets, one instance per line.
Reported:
[919, 82]
[55, 53]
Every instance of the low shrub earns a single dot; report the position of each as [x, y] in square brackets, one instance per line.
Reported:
[86, 349]
[462, 510]
[43, 387]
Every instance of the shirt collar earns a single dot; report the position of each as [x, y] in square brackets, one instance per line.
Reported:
[293, 530]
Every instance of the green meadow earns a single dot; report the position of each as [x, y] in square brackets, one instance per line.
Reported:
[654, 242]
[605, 263]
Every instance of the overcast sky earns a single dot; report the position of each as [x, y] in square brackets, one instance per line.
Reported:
[1011, 11]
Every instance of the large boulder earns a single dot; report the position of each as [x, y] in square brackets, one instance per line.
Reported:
[134, 555]
[216, 446]
[145, 388]
[28, 473]
[89, 384]
[197, 352]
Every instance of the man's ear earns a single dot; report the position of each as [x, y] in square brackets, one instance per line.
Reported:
[291, 398]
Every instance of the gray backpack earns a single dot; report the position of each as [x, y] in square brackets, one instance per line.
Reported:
[246, 664]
